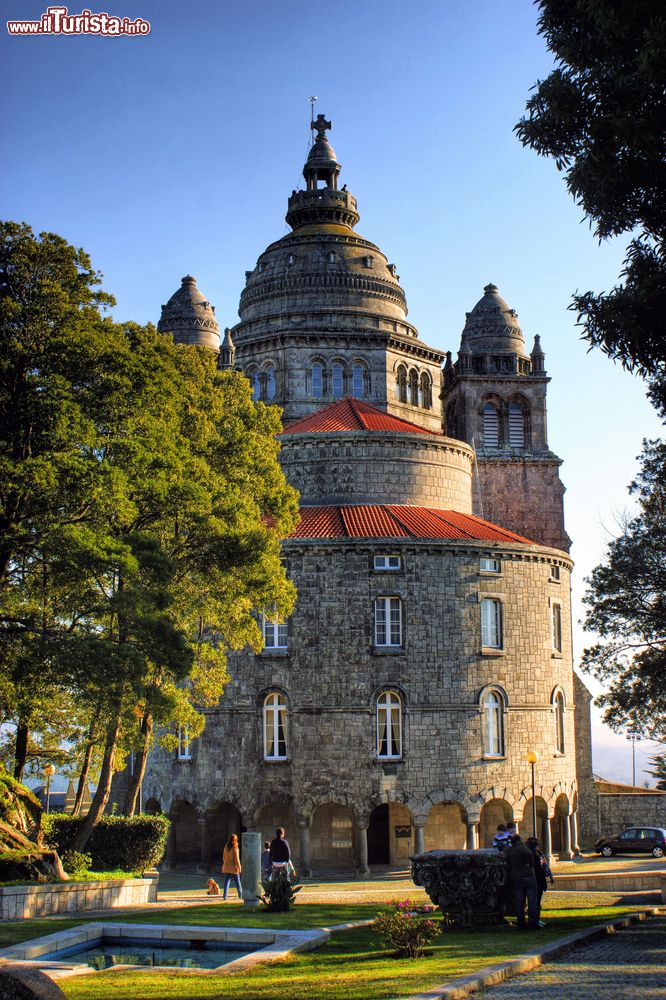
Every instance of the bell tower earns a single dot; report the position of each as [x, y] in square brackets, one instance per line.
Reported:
[494, 398]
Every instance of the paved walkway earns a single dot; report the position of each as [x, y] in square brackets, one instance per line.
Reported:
[627, 965]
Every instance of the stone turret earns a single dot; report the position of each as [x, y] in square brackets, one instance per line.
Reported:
[190, 318]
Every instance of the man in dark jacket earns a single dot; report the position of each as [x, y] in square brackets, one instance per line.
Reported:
[280, 852]
[520, 865]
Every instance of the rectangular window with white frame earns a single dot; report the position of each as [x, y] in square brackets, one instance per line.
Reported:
[489, 564]
[387, 563]
[492, 625]
[275, 633]
[554, 574]
[388, 621]
[184, 745]
[556, 618]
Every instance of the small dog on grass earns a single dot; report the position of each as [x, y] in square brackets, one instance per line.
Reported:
[213, 888]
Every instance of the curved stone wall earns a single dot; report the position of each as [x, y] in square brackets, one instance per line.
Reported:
[379, 467]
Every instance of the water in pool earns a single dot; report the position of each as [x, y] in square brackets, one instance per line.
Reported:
[140, 951]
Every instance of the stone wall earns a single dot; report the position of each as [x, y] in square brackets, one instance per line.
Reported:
[617, 811]
[372, 467]
[331, 676]
[523, 495]
[21, 902]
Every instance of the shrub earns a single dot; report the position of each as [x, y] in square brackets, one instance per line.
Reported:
[75, 862]
[278, 894]
[116, 843]
[405, 929]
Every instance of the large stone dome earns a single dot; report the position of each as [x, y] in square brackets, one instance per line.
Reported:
[190, 318]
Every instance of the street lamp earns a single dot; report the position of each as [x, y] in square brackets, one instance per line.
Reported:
[49, 771]
[532, 758]
[633, 739]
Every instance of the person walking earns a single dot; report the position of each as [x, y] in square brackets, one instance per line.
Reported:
[280, 852]
[520, 866]
[266, 864]
[542, 870]
[231, 866]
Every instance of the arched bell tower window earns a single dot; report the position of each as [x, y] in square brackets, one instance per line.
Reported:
[401, 383]
[360, 379]
[426, 391]
[256, 385]
[490, 426]
[271, 387]
[337, 381]
[516, 426]
[317, 376]
[414, 387]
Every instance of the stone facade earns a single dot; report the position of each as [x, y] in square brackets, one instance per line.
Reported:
[426, 655]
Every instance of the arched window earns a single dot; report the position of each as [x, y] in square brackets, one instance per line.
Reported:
[388, 621]
[414, 387]
[491, 623]
[556, 621]
[426, 391]
[270, 382]
[337, 381]
[516, 426]
[389, 726]
[493, 724]
[490, 426]
[184, 743]
[558, 706]
[275, 730]
[256, 387]
[401, 384]
[317, 376]
[359, 381]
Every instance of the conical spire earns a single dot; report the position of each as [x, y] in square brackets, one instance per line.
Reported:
[227, 351]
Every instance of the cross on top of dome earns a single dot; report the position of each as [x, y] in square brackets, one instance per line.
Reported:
[321, 125]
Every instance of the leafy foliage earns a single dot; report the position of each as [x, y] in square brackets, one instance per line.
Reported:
[601, 114]
[278, 895]
[76, 862]
[405, 928]
[658, 770]
[626, 601]
[121, 843]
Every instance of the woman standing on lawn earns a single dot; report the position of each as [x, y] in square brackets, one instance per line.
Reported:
[231, 866]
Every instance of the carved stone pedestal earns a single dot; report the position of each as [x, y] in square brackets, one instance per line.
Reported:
[468, 886]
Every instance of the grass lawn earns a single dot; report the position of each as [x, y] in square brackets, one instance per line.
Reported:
[351, 967]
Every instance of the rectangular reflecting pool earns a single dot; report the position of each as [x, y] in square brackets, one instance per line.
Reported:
[195, 954]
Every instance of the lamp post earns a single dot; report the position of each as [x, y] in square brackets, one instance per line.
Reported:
[49, 771]
[633, 739]
[532, 758]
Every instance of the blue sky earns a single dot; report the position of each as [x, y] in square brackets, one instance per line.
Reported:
[176, 152]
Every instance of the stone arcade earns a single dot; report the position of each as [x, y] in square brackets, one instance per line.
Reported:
[429, 648]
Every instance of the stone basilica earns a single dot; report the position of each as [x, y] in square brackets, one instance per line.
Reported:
[430, 646]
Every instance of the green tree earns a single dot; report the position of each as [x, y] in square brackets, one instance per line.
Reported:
[658, 771]
[141, 545]
[626, 602]
[601, 114]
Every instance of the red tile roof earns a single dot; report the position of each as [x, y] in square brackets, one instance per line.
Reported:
[351, 414]
[398, 521]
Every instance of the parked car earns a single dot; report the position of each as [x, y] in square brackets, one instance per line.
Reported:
[643, 839]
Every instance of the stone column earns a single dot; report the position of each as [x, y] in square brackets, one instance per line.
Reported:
[204, 845]
[304, 832]
[170, 854]
[565, 853]
[419, 838]
[473, 835]
[547, 845]
[574, 833]
[362, 847]
[251, 874]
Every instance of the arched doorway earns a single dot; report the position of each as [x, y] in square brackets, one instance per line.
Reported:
[494, 812]
[446, 828]
[390, 835]
[221, 822]
[274, 814]
[561, 838]
[527, 823]
[332, 836]
[185, 832]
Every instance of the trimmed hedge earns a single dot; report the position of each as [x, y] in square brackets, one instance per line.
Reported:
[117, 842]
